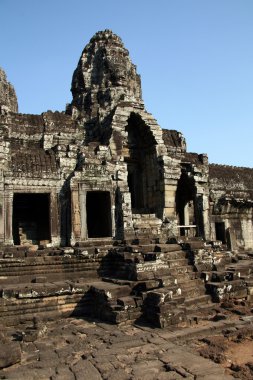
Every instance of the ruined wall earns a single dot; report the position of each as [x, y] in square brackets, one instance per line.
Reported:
[38, 155]
[231, 199]
[104, 77]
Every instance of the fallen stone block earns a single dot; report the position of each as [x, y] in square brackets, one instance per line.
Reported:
[10, 353]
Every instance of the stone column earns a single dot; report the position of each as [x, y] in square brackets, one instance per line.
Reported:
[206, 219]
[203, 215]
[1, 218]
[83, 215]
[170, 199]
[113, 218]
[8, 206]
[247, 232]
[54, 219]
[186, 214]
[2, 213]
[172, 173]
[75, 217]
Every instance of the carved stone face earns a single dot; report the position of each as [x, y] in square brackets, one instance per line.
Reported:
[105, 75]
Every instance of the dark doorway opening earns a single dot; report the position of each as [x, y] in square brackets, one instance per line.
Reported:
[220, 232]
[145, 180]
[31, 222]
[99, 220]
[185, 204]
[135, 185]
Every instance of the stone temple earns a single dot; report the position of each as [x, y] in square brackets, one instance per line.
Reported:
[103, 212]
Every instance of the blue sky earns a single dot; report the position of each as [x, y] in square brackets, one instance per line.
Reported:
[195, 58]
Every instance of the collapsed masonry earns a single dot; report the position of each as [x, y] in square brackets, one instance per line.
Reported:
[104, 172]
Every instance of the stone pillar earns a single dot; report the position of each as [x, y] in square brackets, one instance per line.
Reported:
[75, 217]
[171, 175]
[170, 199]
[2, 213]
[1, 218]
[206, 219]
[113, 218]
[186, 214]
[203, 215]
[247, 232]
[8, 206]
[212, 231]
[54, 219]
[83, 215]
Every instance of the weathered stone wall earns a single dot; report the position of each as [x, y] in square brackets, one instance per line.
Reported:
[8, 98]
[232, 204]
[104, 77]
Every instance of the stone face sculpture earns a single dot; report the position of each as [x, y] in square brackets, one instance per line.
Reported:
[104, 77]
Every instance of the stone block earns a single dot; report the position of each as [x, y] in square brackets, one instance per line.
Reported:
[10, 353]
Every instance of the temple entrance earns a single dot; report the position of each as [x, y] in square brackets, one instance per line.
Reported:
[220, 232]
[31, 223]
[135, 185]
[185, 205]
[99, 219]
[144, 175]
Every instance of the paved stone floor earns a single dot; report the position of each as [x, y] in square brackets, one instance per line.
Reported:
[76, 349]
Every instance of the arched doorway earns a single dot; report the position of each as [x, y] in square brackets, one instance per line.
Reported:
[145, 179]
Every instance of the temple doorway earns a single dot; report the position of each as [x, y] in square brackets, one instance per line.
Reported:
[185, 205]
[144, 175]
[220, 232]
[99, 218]
[31, 218]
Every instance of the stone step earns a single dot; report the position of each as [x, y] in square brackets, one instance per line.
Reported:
[168, 248]
[16, 311]
[168, 281]
[164, 306]
[37, 290]
[128, 302]
[107, 290]
[143, 216]
[27, 274]
[163, 320]
[187, 283]
[201, 299]
[97, 242]
[199, 312]
[47, 268]
[181, 270]
[91, 274]
[161, 295]
[149, 223]
[177, 263]
[175, 255]
[6, 264]
[193, 292]
[143, 248]
[186, 276]
[226, 290]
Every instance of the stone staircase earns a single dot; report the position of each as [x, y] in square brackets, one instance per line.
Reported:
[48, 283]
[162, 284]
[227, 276]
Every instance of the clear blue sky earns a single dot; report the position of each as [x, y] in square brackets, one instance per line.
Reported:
[195, 58]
